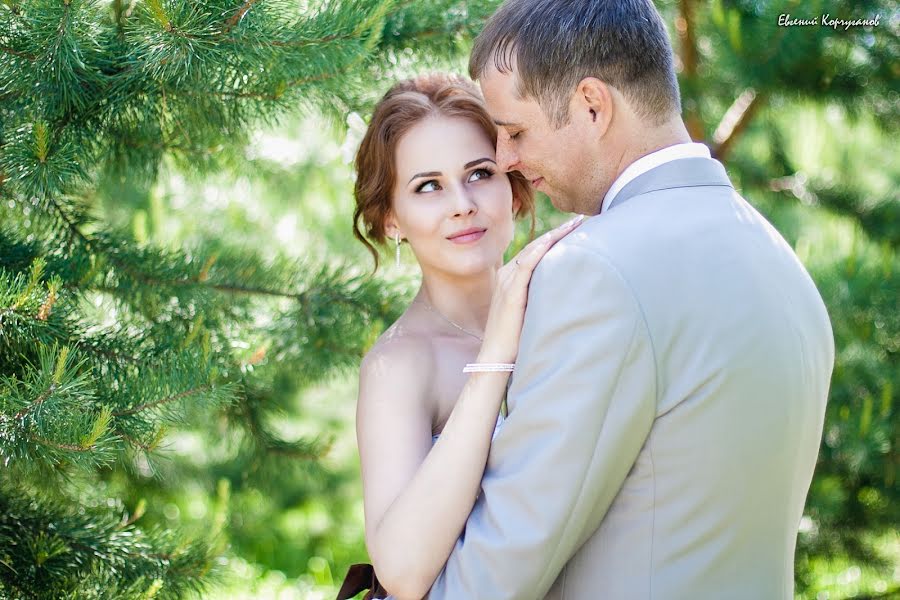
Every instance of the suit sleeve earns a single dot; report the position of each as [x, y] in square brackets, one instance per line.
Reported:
[581, 405]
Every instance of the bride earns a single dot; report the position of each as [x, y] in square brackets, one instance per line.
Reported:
[426, 175]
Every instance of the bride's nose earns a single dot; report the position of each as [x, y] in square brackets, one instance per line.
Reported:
[463, 203]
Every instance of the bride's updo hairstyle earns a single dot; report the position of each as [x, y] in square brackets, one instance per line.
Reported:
[402, 107]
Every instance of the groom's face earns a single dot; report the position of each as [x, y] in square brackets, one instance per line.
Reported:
[557, 161]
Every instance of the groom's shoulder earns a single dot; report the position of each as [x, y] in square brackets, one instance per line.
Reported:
[614, 238]
[593, 259]
[583, 263]
[591, 245]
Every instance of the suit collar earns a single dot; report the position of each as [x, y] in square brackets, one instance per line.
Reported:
[680, 173]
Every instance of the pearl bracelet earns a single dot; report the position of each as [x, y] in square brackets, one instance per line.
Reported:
[489, 367]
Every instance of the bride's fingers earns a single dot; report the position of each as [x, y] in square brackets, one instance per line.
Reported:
[528, 258]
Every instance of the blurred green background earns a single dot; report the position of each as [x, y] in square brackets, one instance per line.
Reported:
[310, 546]
[806, 122]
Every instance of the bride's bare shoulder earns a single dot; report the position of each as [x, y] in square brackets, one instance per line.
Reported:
[403, 354]
[395, 393]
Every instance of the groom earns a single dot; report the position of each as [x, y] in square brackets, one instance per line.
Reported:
[669, 395]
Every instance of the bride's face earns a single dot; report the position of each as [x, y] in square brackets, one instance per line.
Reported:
[450, 201]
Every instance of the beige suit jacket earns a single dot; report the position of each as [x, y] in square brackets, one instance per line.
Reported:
[666, 410]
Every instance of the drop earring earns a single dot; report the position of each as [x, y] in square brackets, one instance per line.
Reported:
[397, 254]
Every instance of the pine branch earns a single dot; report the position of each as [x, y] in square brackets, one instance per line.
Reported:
[17, 53]
[735, 121]
[37, 402]
[238, 15]
[267, 444]
[281, 88]
[61, 31]
[121, 13]
[55, 405]
[135, 442]
[61, 446]
[343, 37]
[684, 24]
[201, 280]
[62, 331]
[180, 80]
[144, 278]
[162, 401]
[53, 549]
[685, 27]
[12, 7]
[56, 380]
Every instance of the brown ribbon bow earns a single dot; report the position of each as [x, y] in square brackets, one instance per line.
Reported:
[361, 577]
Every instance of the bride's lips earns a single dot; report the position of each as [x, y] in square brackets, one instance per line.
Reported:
[467, 236]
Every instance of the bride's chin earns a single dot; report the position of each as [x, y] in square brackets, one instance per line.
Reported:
[473, 269]
[488, 268]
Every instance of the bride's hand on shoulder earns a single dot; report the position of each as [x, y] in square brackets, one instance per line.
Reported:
[507, 312]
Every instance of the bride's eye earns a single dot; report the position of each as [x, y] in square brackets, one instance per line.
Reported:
[480, 174]
[428, 186]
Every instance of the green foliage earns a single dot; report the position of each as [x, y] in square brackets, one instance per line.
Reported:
[118, 350]
[91, 553]
[181, 317]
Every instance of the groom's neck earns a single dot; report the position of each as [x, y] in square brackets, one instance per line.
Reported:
[634, 140]
[649, 139]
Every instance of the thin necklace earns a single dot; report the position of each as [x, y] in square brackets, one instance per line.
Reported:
[432, 309]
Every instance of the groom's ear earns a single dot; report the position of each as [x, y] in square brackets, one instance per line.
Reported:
[593, 100]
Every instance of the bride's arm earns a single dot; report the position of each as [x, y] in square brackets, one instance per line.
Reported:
[416, 501]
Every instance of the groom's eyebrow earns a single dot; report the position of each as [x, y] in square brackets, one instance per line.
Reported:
[468, 165]
[500, 123]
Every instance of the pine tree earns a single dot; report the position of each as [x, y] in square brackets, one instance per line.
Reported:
[110, 346]
[107, 344]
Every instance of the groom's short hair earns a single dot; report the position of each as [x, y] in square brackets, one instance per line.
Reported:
[553, 45]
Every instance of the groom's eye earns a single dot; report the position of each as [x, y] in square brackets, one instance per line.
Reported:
[428, 186]
[515, 136]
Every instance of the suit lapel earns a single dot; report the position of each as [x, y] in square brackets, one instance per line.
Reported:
[679, 173]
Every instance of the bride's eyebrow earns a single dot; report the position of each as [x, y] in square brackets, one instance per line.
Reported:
[472, 163]
[468, 165]
[428, 174]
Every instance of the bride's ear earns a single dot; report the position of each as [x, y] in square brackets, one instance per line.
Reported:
[391, 229]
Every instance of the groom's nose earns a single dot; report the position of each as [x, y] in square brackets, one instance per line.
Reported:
[507, 158]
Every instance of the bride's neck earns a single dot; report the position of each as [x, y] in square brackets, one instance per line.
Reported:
[465, 301]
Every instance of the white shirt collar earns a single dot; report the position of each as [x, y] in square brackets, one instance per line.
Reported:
[651, 161]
